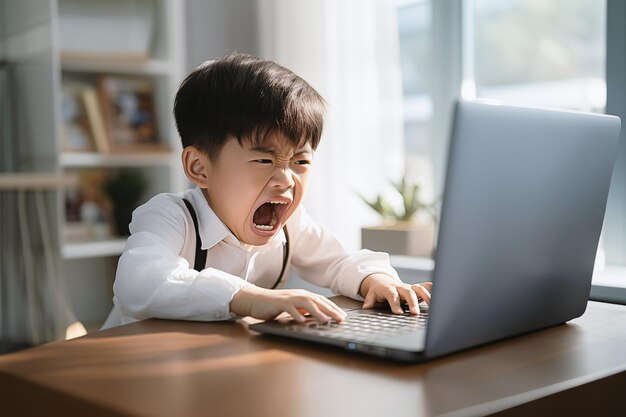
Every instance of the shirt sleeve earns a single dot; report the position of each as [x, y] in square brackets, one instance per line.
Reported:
[154, 281]
[320, 258]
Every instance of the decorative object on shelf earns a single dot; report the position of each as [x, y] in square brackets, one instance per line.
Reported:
[129, 114]
[119, 31]
[88, 209]
[406, 231]
[124, 188]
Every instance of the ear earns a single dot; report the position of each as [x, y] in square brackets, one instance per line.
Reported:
[196, 165]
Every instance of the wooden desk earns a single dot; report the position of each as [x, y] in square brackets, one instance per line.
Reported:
[176, 369]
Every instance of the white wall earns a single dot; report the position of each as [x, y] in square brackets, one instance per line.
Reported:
[217, 27]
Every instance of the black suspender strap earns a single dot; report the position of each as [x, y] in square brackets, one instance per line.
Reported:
[286, 258]
[200, 260]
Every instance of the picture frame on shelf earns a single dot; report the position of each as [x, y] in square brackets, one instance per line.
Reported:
[83, 128]
[128, 109]
[96, 121]
[77, 130]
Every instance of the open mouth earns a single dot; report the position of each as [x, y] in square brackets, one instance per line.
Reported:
[269, 214]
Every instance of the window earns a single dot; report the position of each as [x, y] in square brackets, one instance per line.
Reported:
[414, 25]
[537, 52]
[548, 53]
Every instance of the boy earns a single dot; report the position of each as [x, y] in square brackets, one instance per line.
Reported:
[249, 129]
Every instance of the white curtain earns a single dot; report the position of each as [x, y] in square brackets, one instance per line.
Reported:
[348, 51]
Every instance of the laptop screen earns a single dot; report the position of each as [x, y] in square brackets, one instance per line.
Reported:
[522, 212]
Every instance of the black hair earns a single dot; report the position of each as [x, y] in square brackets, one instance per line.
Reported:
[247, 98]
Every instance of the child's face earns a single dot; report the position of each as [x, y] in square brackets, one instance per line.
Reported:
[255, 189]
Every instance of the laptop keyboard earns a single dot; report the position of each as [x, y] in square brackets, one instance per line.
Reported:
[365, 326]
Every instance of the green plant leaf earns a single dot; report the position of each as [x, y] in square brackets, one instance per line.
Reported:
[410, 193]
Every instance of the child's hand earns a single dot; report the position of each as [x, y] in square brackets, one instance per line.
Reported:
[266, 304]
[380, 287]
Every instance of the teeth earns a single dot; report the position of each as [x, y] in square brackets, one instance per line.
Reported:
[278, 202]
[269, 226]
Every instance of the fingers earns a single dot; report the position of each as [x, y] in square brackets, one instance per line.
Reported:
[393, 298]
[387, 293]
[295, 313]
[411, 299]
[320, 308]
[329, 309]
[395, 294]
[370, 300]
[423, 291]
[314, 310]
[336, 311]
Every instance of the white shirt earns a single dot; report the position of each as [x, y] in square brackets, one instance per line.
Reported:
[154, 278]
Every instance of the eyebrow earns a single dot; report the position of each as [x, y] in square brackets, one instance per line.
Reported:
[264, 149]
[270, 150]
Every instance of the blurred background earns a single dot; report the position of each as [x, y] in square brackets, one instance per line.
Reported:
[87, 133]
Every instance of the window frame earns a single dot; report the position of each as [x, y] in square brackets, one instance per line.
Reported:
[614, 232]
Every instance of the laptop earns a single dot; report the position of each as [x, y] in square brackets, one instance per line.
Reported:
[523, 206]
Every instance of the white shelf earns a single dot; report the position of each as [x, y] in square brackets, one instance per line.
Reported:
[94, 65]
[36, 181]
[94, 249]
[163, 62]
[94, 159]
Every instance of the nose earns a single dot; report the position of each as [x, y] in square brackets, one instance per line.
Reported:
[283, 178]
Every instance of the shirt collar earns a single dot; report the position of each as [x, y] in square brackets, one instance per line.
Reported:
[212, 230]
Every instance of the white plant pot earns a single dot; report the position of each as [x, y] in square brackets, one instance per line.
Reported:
[400, 238]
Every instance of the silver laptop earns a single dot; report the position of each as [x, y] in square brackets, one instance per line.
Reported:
[523, 207]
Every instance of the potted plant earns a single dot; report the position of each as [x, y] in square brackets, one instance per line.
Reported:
[408, 230]
[124, 188]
